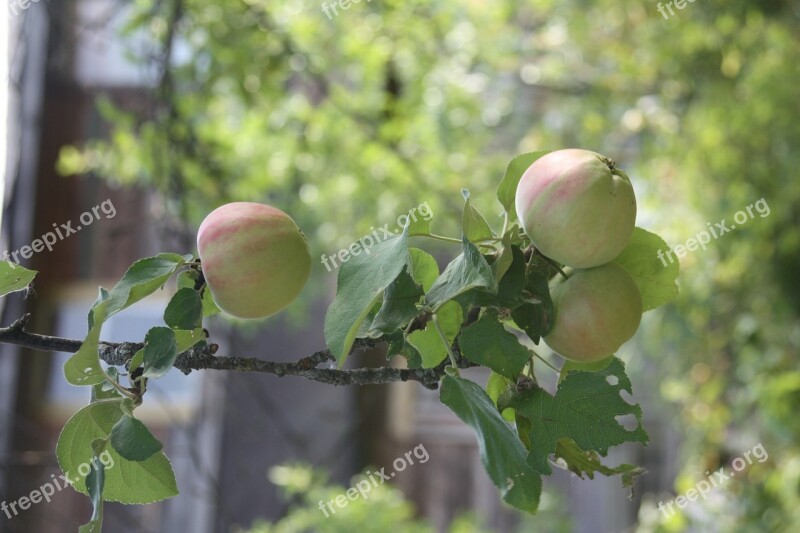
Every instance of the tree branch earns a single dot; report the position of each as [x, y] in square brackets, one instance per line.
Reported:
[203, 358]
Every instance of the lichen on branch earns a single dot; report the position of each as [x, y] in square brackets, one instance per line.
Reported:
[201, 357]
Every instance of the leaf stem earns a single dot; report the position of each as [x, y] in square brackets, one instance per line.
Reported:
[437, 237]
[453, 239]
[450, 353]
[122, 390]
[545, 361]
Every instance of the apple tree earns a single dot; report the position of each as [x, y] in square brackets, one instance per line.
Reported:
[489, 307]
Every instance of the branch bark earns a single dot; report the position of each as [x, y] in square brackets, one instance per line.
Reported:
[203, 358]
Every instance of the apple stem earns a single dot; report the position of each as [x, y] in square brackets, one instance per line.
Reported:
[617, 172]
[553, 264]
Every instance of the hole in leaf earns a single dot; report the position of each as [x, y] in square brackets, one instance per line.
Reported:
[625, 395]
[627, 421]
[612, 380]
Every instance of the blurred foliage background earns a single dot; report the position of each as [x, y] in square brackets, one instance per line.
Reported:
[350, 120]
[383, 509]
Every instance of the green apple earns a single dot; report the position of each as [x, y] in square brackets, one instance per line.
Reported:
[596, 311]
[254, 258]
[576, 207]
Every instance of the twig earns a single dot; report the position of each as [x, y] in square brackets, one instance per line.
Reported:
[201, 358]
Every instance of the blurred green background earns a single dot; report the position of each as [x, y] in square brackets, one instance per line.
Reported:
[348, 121]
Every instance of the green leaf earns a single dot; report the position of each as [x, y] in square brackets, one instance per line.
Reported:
[528, 318]
[137, 360]
[399, 304]
[505, 258]
[210, 307]
[501, 451]
[361, 282]
[14, 277]
[132, 440]
[473, 223]
[495, 386]
[113, 373]
[450, 317]
[105, 390]
[84, 367]
[424, 268]
[143, 278]
[185, 310]
[654, 276]
[185, 339]
[160, 351]
[509, 293]
[581, 462]
[94, 486]
[99, 393]
[467, 271]
[517, 235]
[129, 482]
[398, 345]
[429, 343]
[584, 409]
[487, 343]
[536, 316]
[418, 225]
[524, 427]
[364, 330]
[574, 366]
[395, 343]
[187, 279]
[507, 190]
[510, 288]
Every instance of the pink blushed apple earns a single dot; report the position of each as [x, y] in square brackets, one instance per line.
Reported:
[597, 310]
[254, 258]
[576, 207]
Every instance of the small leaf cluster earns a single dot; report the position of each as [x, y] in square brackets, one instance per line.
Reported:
[139, 471]
[478, 311]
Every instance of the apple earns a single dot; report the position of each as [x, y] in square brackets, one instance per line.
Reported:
[596, 311]
[576, 207]
[255, 259]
